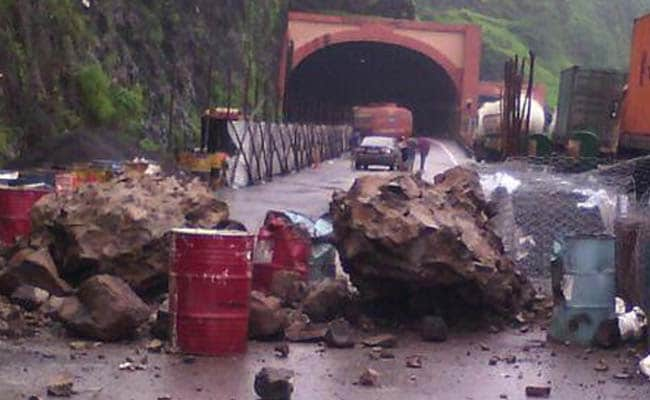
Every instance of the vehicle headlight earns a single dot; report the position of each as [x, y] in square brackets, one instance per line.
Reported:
[386, 150]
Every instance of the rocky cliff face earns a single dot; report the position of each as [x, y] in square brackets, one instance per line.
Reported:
[123, 66]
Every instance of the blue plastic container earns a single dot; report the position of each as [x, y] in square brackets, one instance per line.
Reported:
[587, 288]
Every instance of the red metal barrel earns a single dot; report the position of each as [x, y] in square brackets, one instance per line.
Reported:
[15, 206]
[209, 291]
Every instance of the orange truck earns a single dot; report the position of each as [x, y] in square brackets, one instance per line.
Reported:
[634, 132]
[383, 119]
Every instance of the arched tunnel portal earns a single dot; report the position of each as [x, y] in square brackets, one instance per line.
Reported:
[328, 82]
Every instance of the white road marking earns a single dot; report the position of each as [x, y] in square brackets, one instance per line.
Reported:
[446, 150]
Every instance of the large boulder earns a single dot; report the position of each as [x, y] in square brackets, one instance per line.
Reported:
[401, 237]
[327, 300]
[105, 309]
[121, 227]
[33, 268]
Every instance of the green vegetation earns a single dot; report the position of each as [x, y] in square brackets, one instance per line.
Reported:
[108, 104]
[590, 33]
[500, 43]
[95, 86]
[149, 145]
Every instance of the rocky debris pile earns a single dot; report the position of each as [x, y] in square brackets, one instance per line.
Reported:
[302, 315]
[94, 252]
[121, 228]
[426, 247]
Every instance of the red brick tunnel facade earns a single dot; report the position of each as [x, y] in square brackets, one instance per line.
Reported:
[334, 63]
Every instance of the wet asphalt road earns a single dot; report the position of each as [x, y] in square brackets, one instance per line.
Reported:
[310, 190]
[455, 370]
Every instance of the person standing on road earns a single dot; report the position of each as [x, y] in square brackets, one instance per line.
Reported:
[354, 142]
[424, 145]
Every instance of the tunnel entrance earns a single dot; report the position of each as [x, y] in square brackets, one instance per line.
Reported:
[326, 85]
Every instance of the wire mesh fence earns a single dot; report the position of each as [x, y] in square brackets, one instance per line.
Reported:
[540, 201]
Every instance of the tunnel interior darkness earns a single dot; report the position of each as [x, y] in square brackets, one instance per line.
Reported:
[326, 85]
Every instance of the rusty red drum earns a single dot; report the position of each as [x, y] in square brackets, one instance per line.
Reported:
[209, 290]
[15, 207]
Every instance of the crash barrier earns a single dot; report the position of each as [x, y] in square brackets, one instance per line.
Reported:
[209, 290]
[15, 207]
[264, 150]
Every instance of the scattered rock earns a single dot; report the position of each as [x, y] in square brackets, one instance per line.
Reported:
[484, 347]
[327, 300]
[510, 359]
[369, 377]
[414, 362]
[433, 329]
[494, 360]
[601, 366]
[60, 386]
[289, 287]
[106, 309]
[155, 346]
[282, 350]
[33, 268]
[29, 297]
[132, 366]
[538, 391]
[339, 334]
[274, 383]
[267, 318]
[622, 376]
[385, 341]
[79, 345]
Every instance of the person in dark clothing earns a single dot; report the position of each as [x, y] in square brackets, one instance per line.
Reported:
[355, 140]
[424, 145]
